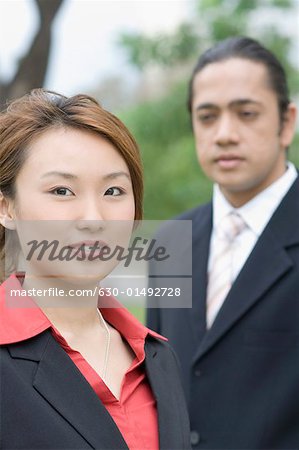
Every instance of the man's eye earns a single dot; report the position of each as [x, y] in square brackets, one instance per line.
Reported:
[248, 114]
[206, 118]
[114, 191]
[62, 191]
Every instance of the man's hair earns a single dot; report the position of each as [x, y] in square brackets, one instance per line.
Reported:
[250, 49]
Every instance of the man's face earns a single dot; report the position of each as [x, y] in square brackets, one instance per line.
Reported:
[240, 140]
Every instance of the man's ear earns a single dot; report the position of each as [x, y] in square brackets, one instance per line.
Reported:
[6, 213]
[288, 126]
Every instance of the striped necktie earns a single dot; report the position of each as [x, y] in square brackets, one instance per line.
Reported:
[220, 277]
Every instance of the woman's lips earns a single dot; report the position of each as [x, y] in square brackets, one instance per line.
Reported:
[88, 244]
[90, 247]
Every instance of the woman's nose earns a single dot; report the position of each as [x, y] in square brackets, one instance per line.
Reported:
[91, 216]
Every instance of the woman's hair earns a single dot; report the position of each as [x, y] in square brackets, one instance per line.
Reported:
[39, 111]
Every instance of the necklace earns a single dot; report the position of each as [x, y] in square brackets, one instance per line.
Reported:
[107, 347]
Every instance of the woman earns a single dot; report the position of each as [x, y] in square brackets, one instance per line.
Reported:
[74, 375]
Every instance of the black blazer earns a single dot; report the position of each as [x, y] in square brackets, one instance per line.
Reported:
[242, 376]
[46, 403]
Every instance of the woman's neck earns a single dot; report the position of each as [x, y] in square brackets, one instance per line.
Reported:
[67, 305]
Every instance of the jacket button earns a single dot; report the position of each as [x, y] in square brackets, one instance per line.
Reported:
[194, 437]
[197, 372]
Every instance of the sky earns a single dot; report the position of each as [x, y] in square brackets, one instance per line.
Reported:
[85, 49]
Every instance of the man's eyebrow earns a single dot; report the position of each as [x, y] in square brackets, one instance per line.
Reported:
[237, 102]
[206, 106]
[244, 101]
[70, 176]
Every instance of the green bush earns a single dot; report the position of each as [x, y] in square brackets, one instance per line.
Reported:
[173, 179]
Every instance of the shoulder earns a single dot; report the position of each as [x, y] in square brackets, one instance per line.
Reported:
[164, 374]
[294, 188]
[156, 346]
[162, 363]
[290, 204]
[194, 215]
[198, 211]
[179, 229]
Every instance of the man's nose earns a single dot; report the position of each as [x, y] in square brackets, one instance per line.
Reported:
[227, 131]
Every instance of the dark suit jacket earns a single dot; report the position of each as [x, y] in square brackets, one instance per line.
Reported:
[242, 376]
[46, 403]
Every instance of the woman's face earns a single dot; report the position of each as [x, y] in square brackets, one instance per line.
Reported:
[76, 188]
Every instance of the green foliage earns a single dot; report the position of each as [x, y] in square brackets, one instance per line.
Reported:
[206, 5]
[283, 3]
[294, 151]
[245, 6]
[150, 120]
[165, 50]
[140, 48]
[280, 45]
[215, 20]
[137, 310]
[173, 180]
[224, 27]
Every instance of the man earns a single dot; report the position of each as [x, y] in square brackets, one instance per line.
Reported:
[239, 343]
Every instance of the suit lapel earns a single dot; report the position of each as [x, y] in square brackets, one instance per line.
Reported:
[248, 289]
[62, 385]
[166, 404]
[201, 229]
[268, 262]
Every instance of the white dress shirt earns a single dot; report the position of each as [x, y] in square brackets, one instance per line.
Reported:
[256, 214]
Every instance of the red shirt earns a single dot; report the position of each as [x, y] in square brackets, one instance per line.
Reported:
[135, 412]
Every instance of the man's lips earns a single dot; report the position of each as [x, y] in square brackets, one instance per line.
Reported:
[229, 161]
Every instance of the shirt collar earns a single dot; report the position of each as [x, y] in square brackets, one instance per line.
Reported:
[22, 319]
[257, 212]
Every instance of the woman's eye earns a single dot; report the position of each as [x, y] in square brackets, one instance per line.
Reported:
[62, 191]
[115, 191]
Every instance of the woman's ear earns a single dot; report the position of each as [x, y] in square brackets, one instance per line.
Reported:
[6, 213]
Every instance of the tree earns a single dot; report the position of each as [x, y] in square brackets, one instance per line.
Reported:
[165, 50]
[214, 21]
[33, 66]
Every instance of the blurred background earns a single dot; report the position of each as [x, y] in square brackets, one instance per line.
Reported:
[136, 58]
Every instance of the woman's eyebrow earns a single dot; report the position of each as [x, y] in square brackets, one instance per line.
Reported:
[108, 176]
[113, 175]
[59, 174]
